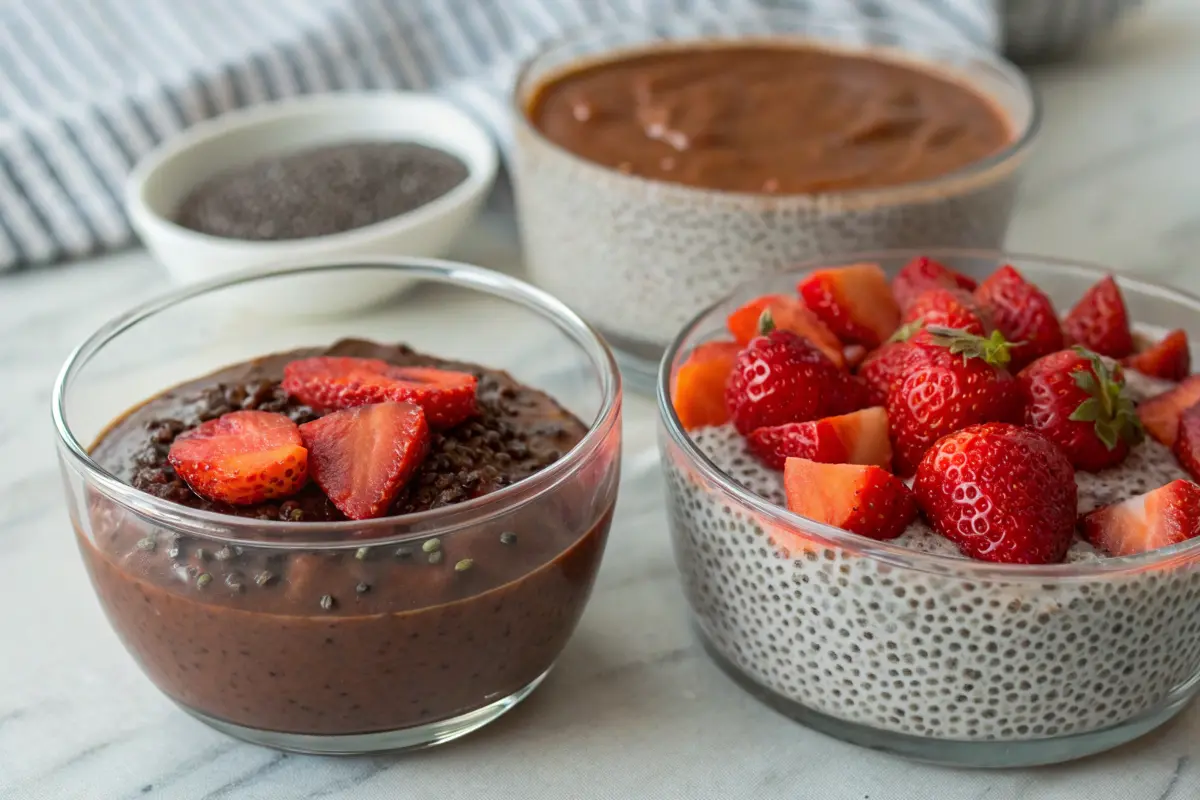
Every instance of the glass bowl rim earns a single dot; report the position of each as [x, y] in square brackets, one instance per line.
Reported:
[225, 528]
[1010, 71]
[887, 552]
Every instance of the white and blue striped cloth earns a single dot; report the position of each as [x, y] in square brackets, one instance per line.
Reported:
[88, 86]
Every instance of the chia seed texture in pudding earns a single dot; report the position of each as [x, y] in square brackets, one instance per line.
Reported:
[359, 638]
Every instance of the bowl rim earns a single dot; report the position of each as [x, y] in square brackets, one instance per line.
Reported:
[341, 534]
[481, 169]
[883, 551]
[930, 49]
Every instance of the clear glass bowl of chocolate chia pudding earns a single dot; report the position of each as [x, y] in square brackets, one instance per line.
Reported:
[645, 195]
[284, 622]
[905, 645]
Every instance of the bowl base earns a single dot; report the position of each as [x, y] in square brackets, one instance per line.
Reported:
[398, 741]
[954, 752]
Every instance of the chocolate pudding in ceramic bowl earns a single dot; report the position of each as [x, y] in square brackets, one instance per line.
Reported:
[344, 534]
[657, 167]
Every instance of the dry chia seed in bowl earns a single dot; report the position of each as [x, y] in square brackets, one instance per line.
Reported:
[320, 191]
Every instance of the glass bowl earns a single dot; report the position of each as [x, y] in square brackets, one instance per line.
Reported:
[923, 654]
[638, 258]
[345, 637]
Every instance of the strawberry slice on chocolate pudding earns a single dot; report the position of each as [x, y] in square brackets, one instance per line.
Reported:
[241, 458]
[361, 457]
[339, 382]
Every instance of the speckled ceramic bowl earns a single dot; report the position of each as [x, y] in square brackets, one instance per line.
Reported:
[920, 651]
[638, 257]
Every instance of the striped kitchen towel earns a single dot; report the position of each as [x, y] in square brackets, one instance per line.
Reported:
[89, 86]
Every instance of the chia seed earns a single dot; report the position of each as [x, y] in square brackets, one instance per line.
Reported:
[320, 191]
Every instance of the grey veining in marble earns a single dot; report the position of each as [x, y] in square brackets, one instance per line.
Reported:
[633, 709]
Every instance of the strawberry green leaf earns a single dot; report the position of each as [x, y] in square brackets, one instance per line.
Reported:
[1089, 411]
[907, 331]
[1107, 431]
[766, 322]
[993, 349]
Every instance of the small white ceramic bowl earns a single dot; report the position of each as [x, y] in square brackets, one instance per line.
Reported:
[160, 182]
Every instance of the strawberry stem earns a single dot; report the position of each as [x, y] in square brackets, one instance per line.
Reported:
[906, 331]
[766, 322]
[993, 349]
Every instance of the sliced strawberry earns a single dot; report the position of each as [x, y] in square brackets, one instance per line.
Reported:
[330, 382]
[1168, 515]
[855, 302]
[1100, 322]
[924, 273]
[242, 458]
[785, 314]
[361, 457]
[860, 437]
[1187, 444]
[1169, 359]
[699, 392]
[1023, 314]
[950, 308]
[1160, 414]
[863, 499]
[781, 378]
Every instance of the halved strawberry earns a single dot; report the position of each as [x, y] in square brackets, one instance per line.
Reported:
[332, 382]
[1160, 414]
[1169, 358]
[1100, 322]
[950, 308]
[241, 458]
[1023, 314]
[863, 499]
[1168, 515]
[699, 392]
[361, 457]
[924, 273]
[1187, 444]
[855, 302]
[860, 437]
[786, 314]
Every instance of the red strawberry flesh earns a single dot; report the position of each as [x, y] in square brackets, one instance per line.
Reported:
[698, 394]
[863, 499]
[855, 302]
[1169, 359]
[1023, 314]
[860, 437]
[242, 458]
[949, 308]
[785, 314]
[924, 273]
[361, 457]
[1168, 515]
[1160, 414]
[1187, 444]
[338, 382]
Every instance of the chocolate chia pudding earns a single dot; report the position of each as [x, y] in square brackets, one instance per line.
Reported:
[696, 164]
[359, 637]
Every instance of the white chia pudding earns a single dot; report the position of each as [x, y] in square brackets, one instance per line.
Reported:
[933, 654]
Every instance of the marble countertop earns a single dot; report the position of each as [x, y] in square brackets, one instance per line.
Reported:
[633, 709]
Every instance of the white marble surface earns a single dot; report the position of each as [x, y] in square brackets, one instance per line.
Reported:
[633, 709]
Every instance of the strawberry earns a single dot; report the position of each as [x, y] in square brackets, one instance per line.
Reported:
[361, 457]
[1187, 444]
[1023, 314]
[949, 308]
[1099, 321]
[884, 365]
[862, 499]
[952, 379]
[924, 273]
[241, 458]
[699, 391]
[781, 378]
[1160, 414]
[1169, 359]
[855, 302]
[786, 314]
[860, 437]
[1074, 400]
[1168, 515]
[1001, 493]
